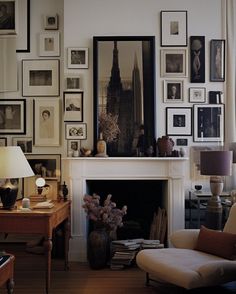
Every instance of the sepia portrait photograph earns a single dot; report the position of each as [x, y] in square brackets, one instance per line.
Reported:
[173, 91]
[77, 57]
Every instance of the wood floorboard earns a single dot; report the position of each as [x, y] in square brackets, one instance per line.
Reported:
[80, 279]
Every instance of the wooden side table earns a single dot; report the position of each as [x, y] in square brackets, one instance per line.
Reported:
[7, 272]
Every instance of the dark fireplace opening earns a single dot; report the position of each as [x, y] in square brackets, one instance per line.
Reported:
[142, 197]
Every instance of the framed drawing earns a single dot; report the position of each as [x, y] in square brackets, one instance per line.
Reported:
[174, 31]
[208, 122]
[197, 95]
[72, 147]
[73, 106]
[23, 35]
[77, 57]
[73, 83]
[3, 141]
[51, 22]
[179, 121]
[8, 17]
[76, 131]
[12, 116]
[173, 63]
[25, 143]
[120, 63]
[40, 77]
[49, 44]
[173, 91]
[46, 122]
[197, 59]
[217, 60]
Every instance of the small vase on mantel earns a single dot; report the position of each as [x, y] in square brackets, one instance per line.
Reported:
[101, 147]
[165, 146]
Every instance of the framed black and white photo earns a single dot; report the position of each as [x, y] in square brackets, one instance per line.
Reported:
[49, 44]
[76, 131]
[173, 63]
[174, 31]
[40, 77]
[77, 57]
[197, 59]
[51, 22]
[208, 122]
[182, 142]
[73, 83]
[173, 91]
[3, 141]
[217, 60]
[73, 106]
[25, 143]
[47, 122]
[8, 17]
[73, 147]
[179, 121]
[197, 95]
[12, 116]
[117, 102]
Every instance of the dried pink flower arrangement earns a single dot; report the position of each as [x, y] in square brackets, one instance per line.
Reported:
[108, 215]
[108, 126]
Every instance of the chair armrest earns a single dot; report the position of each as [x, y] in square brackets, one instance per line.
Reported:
[186, 238]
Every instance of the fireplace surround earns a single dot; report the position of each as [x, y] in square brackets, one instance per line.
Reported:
[78, 172]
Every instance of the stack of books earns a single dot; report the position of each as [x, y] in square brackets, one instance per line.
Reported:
[151, 244]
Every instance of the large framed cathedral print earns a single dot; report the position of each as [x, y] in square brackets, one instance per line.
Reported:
[124, 94]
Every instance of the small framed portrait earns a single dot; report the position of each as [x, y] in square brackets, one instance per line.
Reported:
[77, 57]
[12, 116]
[51, 22]
[173, 62]
[197, 95]
[3, 141]
[217, 60]
[72, 147]
[73, 106]
[25, 143]
[8, 17]
[49, 44]
[179, 121]
[76, 131]
[73, 83]
[46, 122]
[174, 28]
[173, 91]
[208, 123]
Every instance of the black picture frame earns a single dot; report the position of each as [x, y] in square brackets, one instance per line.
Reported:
[12, 116]
[178, 121]
[116, 58]
[23, 36]
[217, 60]
[197, 59]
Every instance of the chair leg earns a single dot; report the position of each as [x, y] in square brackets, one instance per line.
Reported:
[10, 285]
[147, 279]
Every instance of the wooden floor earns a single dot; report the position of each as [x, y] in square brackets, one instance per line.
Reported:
[80, 279]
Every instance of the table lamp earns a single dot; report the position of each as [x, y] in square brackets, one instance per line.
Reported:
[13, 165]
[40, 183]
[215, 164]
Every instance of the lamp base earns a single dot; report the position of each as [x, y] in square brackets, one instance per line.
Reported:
[8, 197]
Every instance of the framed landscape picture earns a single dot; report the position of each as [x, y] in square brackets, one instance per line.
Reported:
[77, 57]
[73, 106]
[73, 83]
[179, 121]
[119, 63]
[40, 77]
[12, 116]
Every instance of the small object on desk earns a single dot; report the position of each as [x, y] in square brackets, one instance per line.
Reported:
[64, 191]
[25, 203]
[45, 204]
[198, 187]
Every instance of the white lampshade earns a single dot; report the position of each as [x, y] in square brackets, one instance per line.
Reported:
[40, 182]
[13, 163]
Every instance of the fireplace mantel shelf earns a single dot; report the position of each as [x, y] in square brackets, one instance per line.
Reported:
[77, 171]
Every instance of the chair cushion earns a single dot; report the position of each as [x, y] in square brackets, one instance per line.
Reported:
[218, 243]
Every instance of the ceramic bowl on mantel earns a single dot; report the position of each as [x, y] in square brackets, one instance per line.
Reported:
[198, 187]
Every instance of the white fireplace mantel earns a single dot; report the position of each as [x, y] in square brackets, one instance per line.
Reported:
[76, 171]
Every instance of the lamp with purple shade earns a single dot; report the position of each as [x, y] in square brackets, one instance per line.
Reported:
[215, 164]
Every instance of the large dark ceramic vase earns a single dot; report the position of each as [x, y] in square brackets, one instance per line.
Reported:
[98, 248]
[165, 146]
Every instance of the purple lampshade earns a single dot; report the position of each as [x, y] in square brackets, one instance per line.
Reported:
[216, 163]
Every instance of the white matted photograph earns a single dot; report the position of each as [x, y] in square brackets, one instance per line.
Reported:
[179, 121]
[173, 62]
[46, 122]
[77, 57]
[76, 131]
[49, 44]
[173, 91]
[51, 22]
[40, 77]
[25, 143]
[73, 146]
[73, 83]
[197, 95]
[73, 106]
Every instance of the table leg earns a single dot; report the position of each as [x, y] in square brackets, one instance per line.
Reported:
[48, 249]
[67, 238]
[10, 286]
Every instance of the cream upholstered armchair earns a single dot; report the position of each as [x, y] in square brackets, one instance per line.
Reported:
[201, 258]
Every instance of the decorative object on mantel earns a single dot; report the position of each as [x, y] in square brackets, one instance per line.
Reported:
[106, 219]
[165, 146]
[101, 147]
